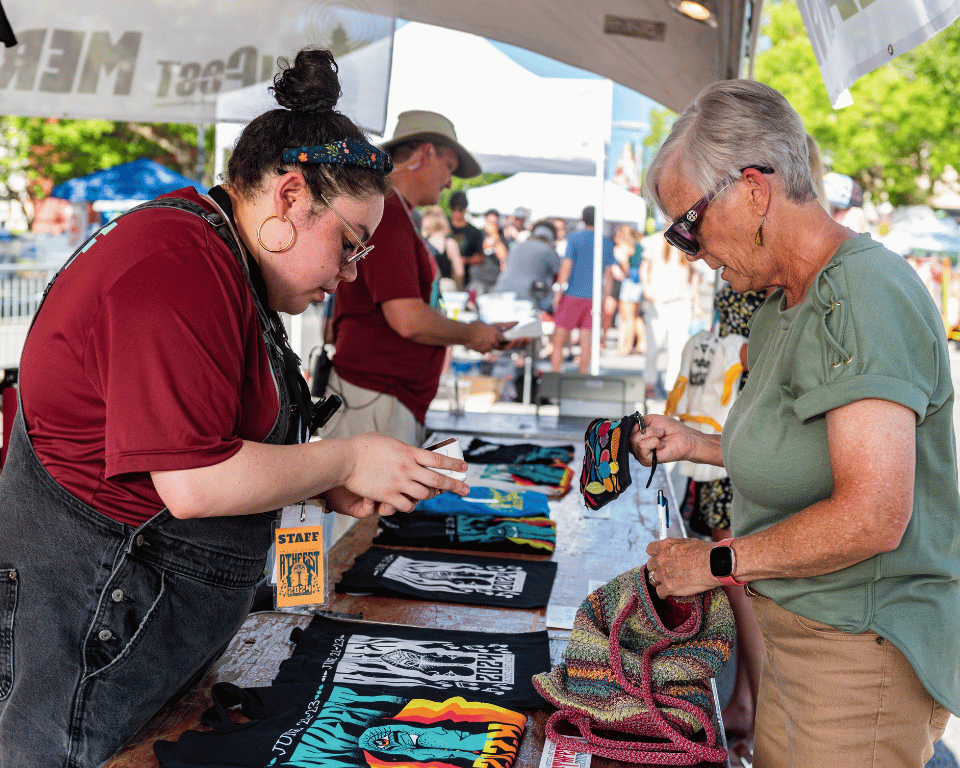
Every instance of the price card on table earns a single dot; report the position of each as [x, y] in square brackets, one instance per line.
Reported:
[560, 757]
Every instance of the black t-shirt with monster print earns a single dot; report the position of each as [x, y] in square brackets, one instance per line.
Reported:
[336, 726]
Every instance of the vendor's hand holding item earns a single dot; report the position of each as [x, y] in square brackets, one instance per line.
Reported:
[641, 666]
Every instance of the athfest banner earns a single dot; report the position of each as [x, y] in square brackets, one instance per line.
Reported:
[171, 60]
[853, 37]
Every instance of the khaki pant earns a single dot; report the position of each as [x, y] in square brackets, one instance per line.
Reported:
[830, 698]
[365, 410]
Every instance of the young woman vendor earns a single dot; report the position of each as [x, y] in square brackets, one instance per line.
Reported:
[163, 416]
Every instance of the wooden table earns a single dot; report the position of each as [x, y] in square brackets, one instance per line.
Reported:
[588, 550]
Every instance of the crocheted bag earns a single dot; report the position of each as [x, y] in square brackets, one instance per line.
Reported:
[641, 665]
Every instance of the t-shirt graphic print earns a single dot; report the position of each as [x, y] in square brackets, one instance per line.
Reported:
[495, 667]
[453, 578]
[297, 726]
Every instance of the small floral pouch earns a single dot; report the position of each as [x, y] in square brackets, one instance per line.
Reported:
[606, 459]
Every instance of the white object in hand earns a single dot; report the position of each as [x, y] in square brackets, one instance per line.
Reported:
[449, 447]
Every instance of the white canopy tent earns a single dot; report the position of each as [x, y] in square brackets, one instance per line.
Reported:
[167, 60]
[552, 195]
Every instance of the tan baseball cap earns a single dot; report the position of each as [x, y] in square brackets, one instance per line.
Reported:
[421, 125]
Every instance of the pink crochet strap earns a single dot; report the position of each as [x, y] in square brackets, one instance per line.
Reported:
[648, 753]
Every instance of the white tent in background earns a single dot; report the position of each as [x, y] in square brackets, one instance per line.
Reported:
[508, 117]
[551, 194]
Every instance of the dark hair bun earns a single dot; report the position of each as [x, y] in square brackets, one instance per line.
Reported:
[311, 84]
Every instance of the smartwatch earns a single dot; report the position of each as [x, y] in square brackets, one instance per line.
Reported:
[723, 562]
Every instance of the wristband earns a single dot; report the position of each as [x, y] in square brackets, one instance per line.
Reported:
[730, 581]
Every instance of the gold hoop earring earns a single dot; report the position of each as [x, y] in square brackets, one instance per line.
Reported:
[293, 234]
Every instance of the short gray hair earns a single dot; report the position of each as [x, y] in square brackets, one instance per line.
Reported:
[732, 124]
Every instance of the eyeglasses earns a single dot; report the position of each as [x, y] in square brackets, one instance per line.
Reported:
[681, 233]
[359, 248]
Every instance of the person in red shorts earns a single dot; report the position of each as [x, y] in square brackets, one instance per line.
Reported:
[573, 291]
[163, 420]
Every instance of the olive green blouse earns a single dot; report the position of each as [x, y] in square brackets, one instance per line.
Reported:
[867, 328]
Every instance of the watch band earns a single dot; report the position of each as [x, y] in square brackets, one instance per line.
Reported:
[729, 581]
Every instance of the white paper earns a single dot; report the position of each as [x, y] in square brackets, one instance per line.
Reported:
[561, 616]
[597, 514]
[531, 330]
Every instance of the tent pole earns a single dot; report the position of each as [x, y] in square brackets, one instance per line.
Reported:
[201, 150]
[597, 308]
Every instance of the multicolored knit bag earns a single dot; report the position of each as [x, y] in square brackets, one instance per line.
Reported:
[606, 460]
[638, 664]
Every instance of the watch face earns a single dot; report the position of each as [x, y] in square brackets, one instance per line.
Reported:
[721, 561]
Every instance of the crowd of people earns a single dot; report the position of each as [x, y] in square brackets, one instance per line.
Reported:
[141, 481]
[650, 295]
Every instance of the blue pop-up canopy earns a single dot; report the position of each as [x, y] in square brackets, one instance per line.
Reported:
[137, 180]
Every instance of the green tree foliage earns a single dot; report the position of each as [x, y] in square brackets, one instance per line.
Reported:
[467, 184]
[50, 151]
[902, 129]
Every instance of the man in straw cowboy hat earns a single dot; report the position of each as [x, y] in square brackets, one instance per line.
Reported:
[391, 336]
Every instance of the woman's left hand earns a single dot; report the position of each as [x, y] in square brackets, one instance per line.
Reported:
[680, 566]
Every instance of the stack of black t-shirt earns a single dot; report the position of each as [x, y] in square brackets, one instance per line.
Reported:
[451, 578]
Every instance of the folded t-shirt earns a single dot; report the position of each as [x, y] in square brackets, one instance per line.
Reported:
[497, 534]
[421, 661]
[460, 578]
[335, 725]
[488, 501]
[484, 452]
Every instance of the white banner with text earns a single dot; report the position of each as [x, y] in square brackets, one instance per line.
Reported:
[168, 61]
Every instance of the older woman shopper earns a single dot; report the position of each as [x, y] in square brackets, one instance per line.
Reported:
[163, 417]
[846, 513]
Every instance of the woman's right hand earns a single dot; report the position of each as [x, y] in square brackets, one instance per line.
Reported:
[390, 472]
[672, 440]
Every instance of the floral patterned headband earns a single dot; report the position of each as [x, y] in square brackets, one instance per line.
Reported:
[343, 152]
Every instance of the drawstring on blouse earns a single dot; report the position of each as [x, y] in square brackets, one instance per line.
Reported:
[832, 313]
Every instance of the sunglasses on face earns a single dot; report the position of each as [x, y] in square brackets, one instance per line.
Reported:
[681, 235]
[353, 252]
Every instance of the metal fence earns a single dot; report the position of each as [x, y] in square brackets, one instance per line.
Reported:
[21, 287]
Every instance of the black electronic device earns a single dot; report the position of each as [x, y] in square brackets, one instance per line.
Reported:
[323, 410]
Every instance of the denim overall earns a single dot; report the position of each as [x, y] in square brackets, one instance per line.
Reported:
[100, 622]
